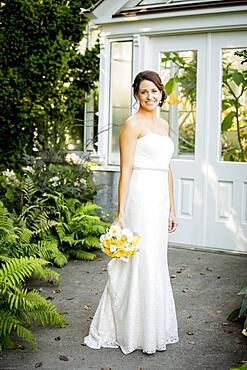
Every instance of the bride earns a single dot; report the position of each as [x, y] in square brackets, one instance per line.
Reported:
[137, 308]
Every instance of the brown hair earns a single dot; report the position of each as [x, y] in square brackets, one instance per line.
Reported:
[150, 76]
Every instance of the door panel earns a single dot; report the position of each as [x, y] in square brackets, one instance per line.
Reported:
[226, 226]
[186, 117]
[210, 173]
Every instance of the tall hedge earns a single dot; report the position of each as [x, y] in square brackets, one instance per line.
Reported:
[43, 78]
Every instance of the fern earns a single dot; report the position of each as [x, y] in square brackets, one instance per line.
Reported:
[8, 323]
[83, 255]
[20, 307]
[61, 260]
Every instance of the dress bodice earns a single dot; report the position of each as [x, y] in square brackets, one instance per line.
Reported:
[153, 151]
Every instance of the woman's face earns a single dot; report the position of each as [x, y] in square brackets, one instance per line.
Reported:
[149, 95]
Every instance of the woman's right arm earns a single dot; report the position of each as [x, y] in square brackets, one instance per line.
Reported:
[127, 143]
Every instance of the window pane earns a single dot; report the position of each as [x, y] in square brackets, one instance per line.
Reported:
[121, 79]
[234, 104]
[178, 72]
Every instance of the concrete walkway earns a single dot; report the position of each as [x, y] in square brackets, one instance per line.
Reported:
[204, 285]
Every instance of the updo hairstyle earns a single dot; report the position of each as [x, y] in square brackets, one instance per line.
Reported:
[150, 76]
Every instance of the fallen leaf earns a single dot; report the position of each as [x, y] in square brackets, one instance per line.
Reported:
[201, 273]
[173, 276]
[226, 330]
[69, 299]
[191, 342]
[38, 364]
[189, 276]
[225, 323]
[87, 307]
[189, 333]
[52, 281]
[58, 290]
[40, 289]
[187, 290]
[19, 346]
[50, 298]
[63, 358]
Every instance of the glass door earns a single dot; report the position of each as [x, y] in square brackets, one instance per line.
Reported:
[181, 62]
[227, 147]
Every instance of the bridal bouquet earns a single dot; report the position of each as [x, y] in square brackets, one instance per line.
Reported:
[119, 243]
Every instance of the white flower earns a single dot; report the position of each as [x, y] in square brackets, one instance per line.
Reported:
[115, 230]
[55, 181]
[102, 237]
[11, 178]
[113, 248]
[28, 169]
[83, 181]
[73, 158]
[9, 173]
[129, 235]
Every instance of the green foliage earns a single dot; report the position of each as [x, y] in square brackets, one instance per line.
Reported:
[234, 85]
[183, 79]
[240, 313]
[50, 226]
[72, 177]
[43, 77]
[78, 227]
[20, 307]
[243, 367]
[242, 54]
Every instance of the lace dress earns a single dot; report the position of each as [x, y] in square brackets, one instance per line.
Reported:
[137, 308]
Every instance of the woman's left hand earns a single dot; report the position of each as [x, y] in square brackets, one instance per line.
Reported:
[172, 222]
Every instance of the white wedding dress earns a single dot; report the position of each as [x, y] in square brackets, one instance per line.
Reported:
[137, 308]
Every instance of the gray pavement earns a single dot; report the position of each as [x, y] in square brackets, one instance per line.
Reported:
[204, 286]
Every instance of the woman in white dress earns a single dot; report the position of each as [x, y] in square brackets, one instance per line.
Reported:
[137, 308]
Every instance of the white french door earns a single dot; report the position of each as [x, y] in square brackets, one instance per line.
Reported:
[226, 226]
[210, 192]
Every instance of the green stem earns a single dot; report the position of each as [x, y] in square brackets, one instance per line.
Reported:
[238, 130]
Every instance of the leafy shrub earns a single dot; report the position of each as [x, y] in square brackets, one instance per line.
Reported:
[43, 76]
[240, 313]
[51, 227]
[77, 226]
[72, 176]
[20, 307]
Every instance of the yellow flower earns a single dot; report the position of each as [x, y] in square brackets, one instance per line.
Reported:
[120, 243]
[121, 253]
[173, 99]
[136, 239]
[107, 243]
[244, 331]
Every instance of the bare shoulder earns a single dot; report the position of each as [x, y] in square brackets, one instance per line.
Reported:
[129, 128]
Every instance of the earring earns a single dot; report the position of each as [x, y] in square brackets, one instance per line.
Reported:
[134, 105]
